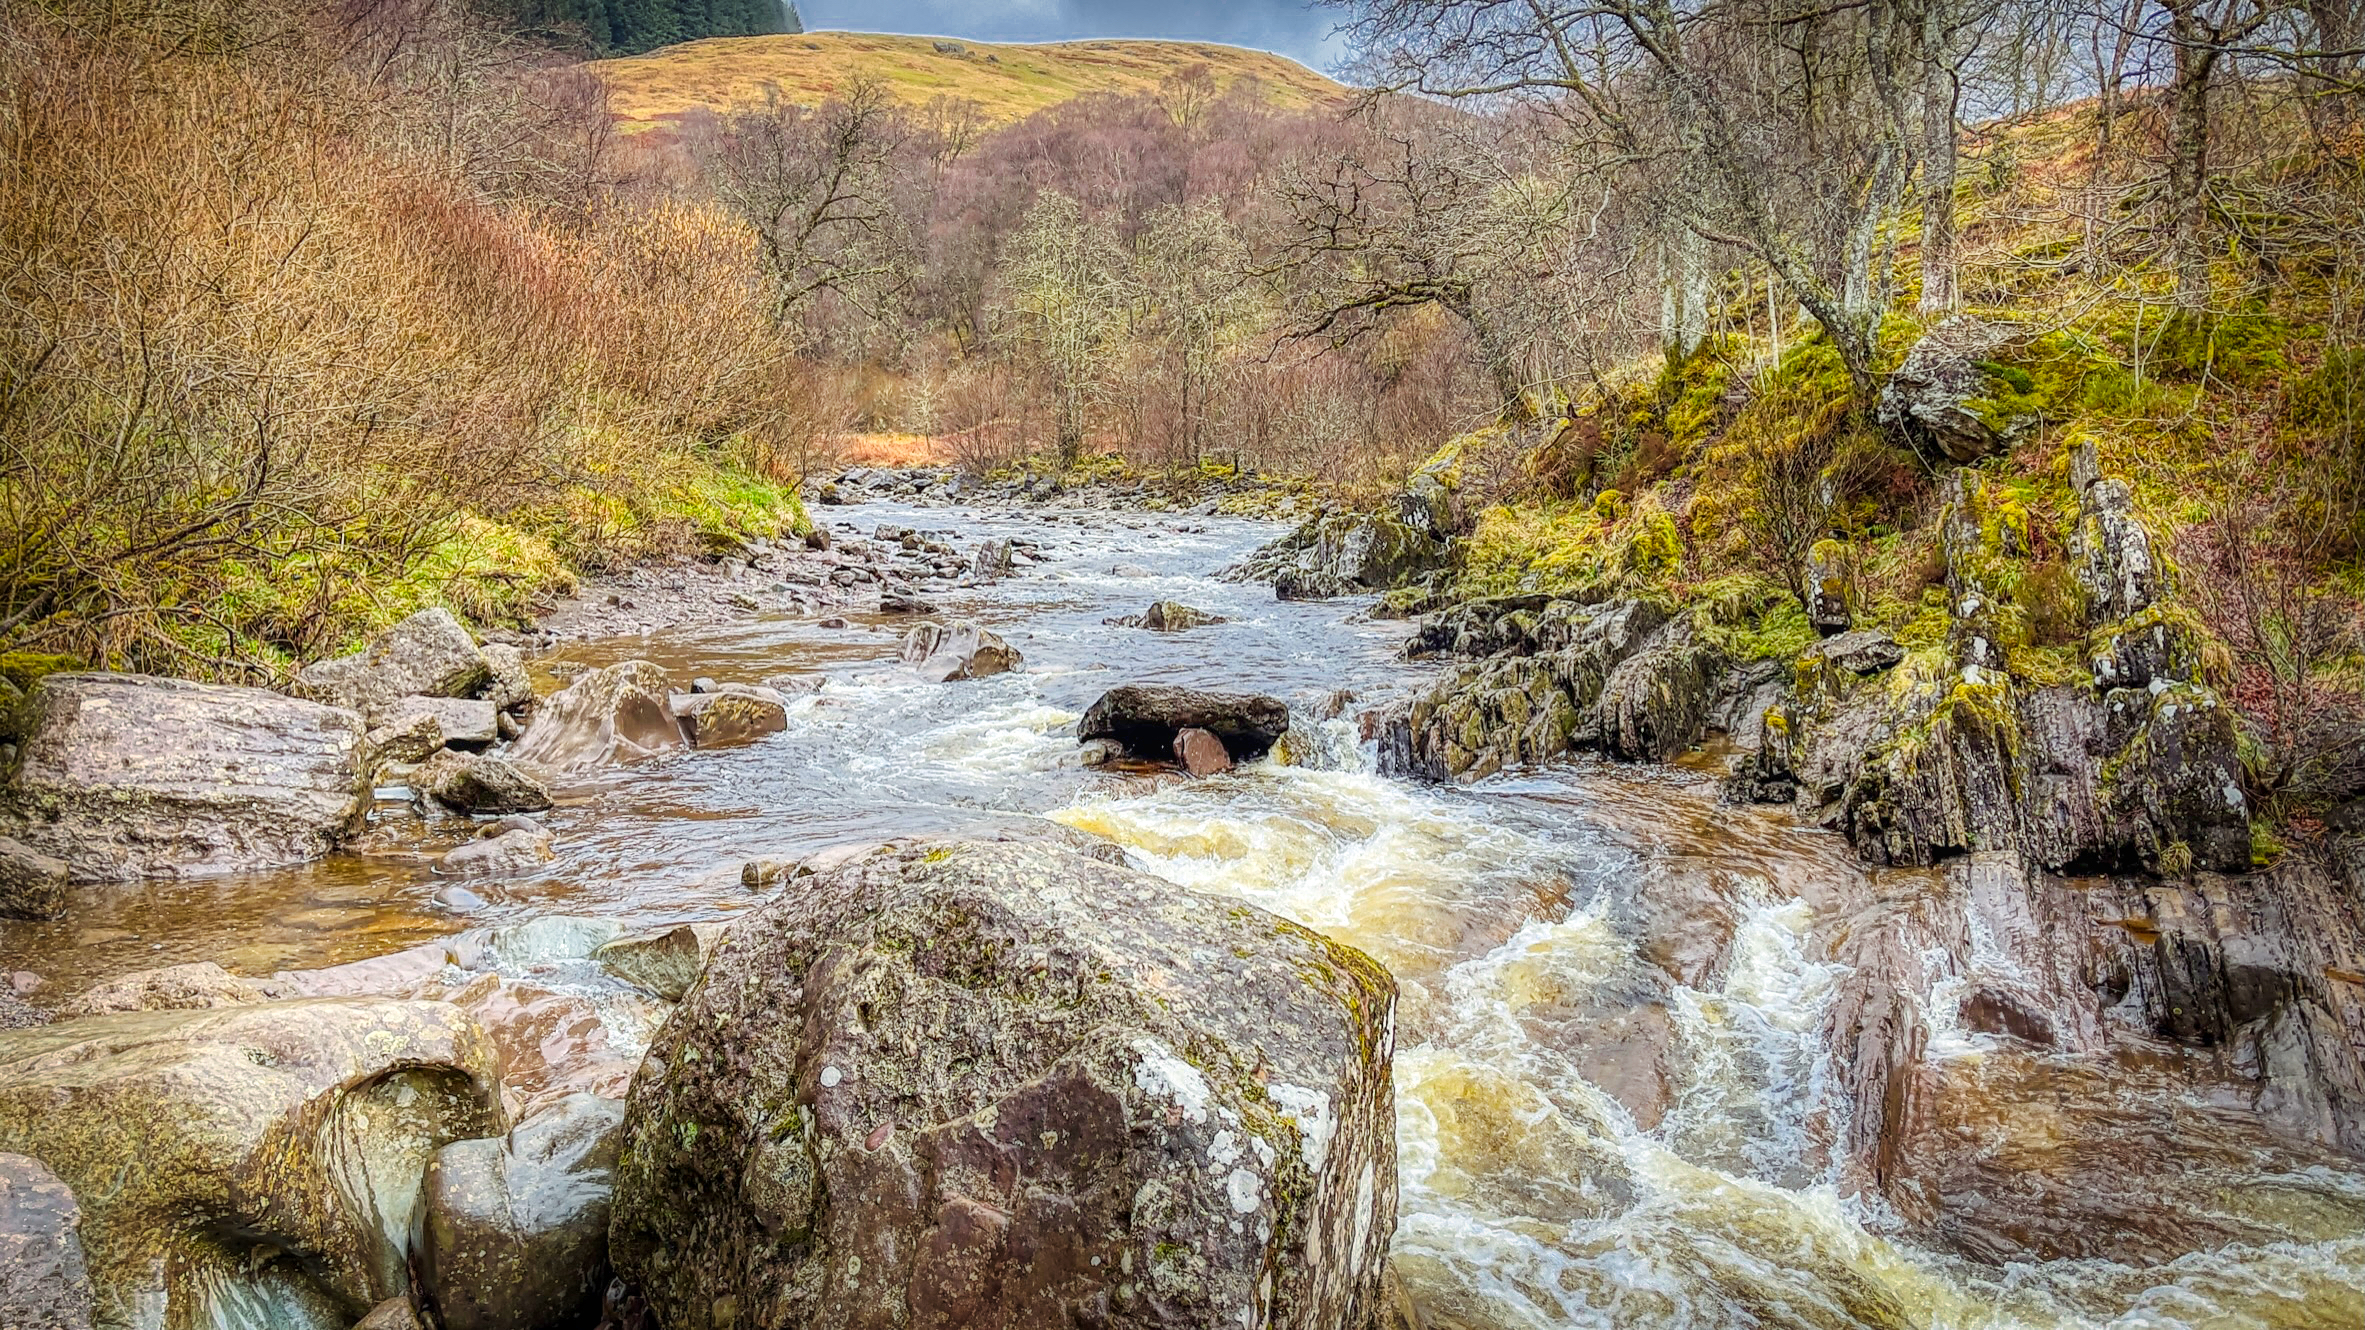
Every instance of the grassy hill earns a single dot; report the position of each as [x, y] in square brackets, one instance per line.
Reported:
[1008, 81]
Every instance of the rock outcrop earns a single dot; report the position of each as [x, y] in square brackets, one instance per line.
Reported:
[1947, 752]
[618, 714]
[265, 1157]
[126, 776]
[1144, 720]
[426, 655]
[1000, 1085]
[961, 649]
[1944, 394]
[1344, 554]
[1167, 616]
[515, 1231]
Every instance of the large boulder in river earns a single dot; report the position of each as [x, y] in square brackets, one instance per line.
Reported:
[252, 1165]
[618, 714]
[127, 776]
[962, 649]
[43, 1282]
[1144, 719]
[428, 654]
[516, 1227]
[1005, 1086]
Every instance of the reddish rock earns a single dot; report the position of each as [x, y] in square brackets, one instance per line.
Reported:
[1201, 753]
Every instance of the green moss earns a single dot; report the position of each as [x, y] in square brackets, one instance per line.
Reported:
[23, 669]
[2265, 846]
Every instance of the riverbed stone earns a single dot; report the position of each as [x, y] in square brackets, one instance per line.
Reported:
[667, 961]
[193, 986]
[44, 1284]
[516, 1227]
[731, 716]
[1001, 1085]
[428, 654]
[126, 776]
[618, 714]
[1145, 718]
[264, 1154]
[479, 783]
[32, 885]
[961, 649]
[1168, 616]
[992, 561]
[413, 737]
[1200, 752]
[463, 722]
[510, 853]
[508, 685]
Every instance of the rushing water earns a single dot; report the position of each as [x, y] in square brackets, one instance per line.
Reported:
[1583, 1143]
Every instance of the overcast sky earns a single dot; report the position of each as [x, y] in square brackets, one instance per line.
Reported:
[1291, 27]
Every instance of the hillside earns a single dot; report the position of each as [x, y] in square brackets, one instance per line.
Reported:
[1009, 82]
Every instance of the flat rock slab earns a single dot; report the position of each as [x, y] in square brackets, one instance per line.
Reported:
[126, 776]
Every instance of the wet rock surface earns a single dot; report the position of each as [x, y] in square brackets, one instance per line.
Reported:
[32, 884]
[478, 783]
[125, 776]
[515, 1230]
[1099, 1123]
[961, 649]
[618, 714]
[44, 1284]
[270, 1152]
[1145, 720]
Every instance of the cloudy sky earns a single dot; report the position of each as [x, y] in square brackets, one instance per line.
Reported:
[1291, 27]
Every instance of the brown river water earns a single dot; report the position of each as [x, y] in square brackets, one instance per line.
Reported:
[1581, 1144]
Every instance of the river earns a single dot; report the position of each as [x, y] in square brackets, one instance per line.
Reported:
[1583, 1141]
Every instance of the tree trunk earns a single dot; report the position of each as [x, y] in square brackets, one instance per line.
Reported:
[2196, 53]
[1683, 312]
[1940, 293]
[1499, 366]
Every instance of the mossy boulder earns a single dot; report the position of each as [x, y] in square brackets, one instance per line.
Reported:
[1002, 1085]
[1949, 398]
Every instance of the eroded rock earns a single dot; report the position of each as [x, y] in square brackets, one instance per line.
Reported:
[44, 1284]
[618, 714]
[509, 851]
[732, 716]
[262, 1155]
[961, 649]
[32, 885]
[1944, 394]
[998, 1085]
[428, 654]
[479, 783]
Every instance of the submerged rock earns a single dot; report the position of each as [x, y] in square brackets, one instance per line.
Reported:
[667, 961]
[1146, 718]
[618, 714]
[127, 776]
[506, 851]
[1002, 1085]
[195, 986]
[44, 1284]
[516, 1227]
[266, 1157]
[428, 654]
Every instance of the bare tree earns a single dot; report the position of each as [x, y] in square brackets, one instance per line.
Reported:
[814, 185]
[1191, 270]
[1065, 299]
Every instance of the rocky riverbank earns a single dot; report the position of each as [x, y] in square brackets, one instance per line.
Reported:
[2094, 1020]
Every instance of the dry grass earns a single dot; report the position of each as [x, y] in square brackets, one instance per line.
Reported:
[1008, 82]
